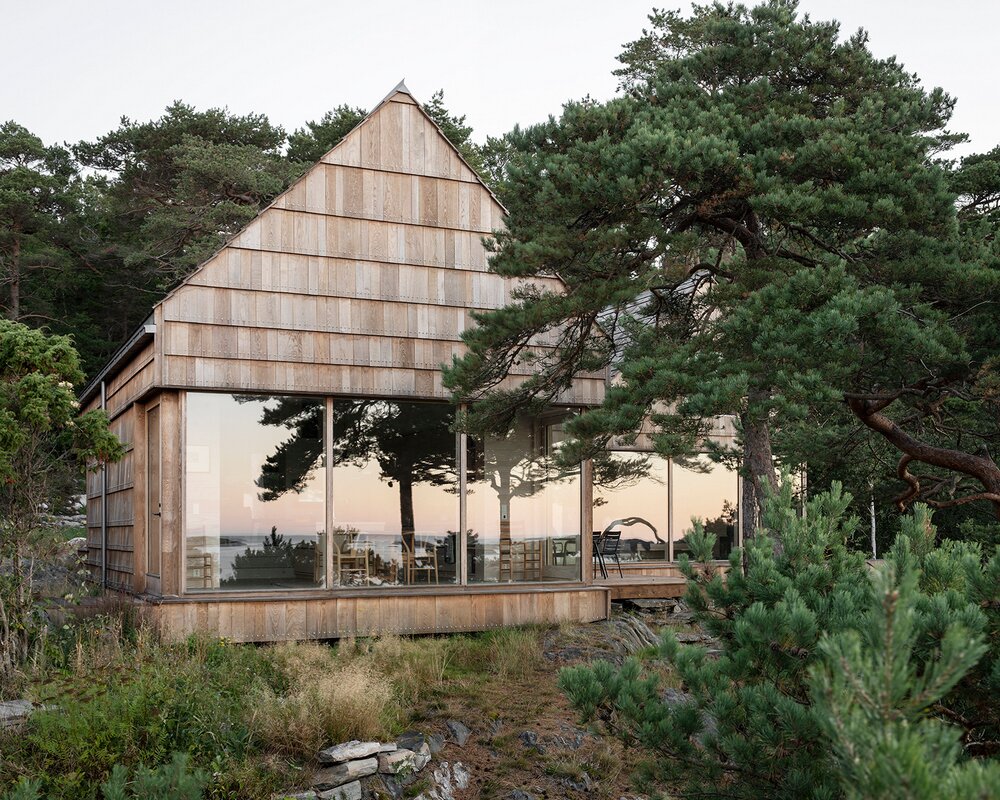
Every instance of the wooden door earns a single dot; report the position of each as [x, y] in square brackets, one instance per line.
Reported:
[153, 491]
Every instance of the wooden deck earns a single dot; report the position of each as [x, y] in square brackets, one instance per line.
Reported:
[644, 587]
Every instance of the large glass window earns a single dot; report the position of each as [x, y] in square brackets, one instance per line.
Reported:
[395, 494]
[708, 491]
[637, 507]
[523, 511]
[255, 490]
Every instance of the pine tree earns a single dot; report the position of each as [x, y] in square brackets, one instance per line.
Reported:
[173, 189]
[310, 143]
[37, 186]
[757, 226]
[823, 660]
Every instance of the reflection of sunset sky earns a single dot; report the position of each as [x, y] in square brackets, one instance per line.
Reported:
[363, 501]
[695, 494]
[701, 495]
[226, 446]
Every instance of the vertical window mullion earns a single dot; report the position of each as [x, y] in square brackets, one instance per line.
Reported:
[463, 545]
[328, 452]
[670, 509]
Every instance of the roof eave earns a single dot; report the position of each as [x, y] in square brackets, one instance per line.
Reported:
[139, 339]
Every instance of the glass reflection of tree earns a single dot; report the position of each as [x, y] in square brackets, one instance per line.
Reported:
[411, 443]
[277, 560]
[290, 468]
[512, 470]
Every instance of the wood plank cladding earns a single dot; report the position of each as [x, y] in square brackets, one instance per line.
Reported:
[421, 149]
[321, 379]
[360, 279]
[120, 513]
[326, 617]
[394, 197]
[315, 347]
[294, 273]
[283, 231]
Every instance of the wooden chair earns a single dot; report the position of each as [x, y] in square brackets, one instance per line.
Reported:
[564, 551]
[200, 571]
[414, 562]
[527, 558]
[349, 560]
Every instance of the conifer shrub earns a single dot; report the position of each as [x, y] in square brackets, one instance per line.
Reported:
[834, 678]
[172, 781]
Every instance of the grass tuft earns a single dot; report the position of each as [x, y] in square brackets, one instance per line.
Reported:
[328, 700]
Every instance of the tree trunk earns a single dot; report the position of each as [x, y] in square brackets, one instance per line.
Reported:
[758, 470]
[406, 505]
[15, 276]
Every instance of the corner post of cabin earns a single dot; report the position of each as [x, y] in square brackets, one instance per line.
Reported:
[670, 508]
[327, 544]
[587, 520]
[104, 502]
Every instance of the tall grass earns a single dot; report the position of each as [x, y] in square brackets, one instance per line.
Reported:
[328, 699]
[515, 652]
[117, 694]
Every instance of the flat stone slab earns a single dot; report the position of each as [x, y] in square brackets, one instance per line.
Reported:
[339, 774]
[400, 762]
[411, 740]
[14, 712]
[349, 791]
[348, 751]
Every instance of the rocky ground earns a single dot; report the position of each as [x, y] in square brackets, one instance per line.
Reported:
[518, 738]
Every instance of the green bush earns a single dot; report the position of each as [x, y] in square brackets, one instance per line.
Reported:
[194, 699]
[814, 678]
[173, 781]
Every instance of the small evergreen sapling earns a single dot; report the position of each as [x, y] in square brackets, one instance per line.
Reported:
[173, 781]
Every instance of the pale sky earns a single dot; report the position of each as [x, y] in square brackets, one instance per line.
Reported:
[71, 69]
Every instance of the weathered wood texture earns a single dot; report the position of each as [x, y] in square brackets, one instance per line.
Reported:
[366, 614]
[119, 478]
[135, 379]
[357, 280]
[649, 588]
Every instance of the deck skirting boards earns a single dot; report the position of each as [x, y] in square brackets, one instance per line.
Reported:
[291, 618]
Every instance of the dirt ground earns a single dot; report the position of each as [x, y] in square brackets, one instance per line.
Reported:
[526, 742]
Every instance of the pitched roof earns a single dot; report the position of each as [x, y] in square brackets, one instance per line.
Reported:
[336, 155]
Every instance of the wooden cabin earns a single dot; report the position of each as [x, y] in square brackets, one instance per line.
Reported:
[290, 469]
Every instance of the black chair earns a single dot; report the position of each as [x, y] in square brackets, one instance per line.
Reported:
[609, 549]
[597, 554]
